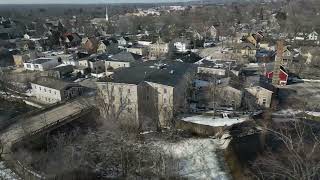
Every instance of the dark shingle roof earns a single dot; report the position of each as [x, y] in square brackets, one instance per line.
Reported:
[52, 83]
[170, 73]
[124, 56]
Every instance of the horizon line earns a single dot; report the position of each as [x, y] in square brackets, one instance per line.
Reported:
[88, 3]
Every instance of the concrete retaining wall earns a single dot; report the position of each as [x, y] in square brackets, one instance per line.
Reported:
[198, 129]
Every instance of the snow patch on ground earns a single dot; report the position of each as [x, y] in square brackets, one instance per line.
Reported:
[6, 173]
[198, 159]
[215, 122]
[312, 113]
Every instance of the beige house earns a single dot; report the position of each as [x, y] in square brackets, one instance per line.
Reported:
[102, 47]
[19, 59]
[50, 90]
[246, 50]
[156, 92]
[158, 49]
[139, 50]
[261, 95]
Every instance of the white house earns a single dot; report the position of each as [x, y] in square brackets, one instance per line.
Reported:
[182, 45]
[213, 32]
[300, 36]
[26, 36]
[313, 36]
[95, 65]
[41, 64]
[123, 41]
[144, 43]
[50, 90]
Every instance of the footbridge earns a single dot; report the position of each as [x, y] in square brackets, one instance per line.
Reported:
[44, 120]
[36, 123]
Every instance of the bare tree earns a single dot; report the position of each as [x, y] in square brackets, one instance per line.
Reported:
[4, 82]
[115, 104]
[297, 156]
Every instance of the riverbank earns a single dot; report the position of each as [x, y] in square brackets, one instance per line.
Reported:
[10, 109]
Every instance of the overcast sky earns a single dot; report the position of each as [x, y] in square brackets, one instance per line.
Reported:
[81, 1]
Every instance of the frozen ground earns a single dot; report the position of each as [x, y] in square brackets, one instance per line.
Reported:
[215, 122]
[198, 159]
[7, 174]
[312, 113]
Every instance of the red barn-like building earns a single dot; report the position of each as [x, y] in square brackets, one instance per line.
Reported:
[283, 76]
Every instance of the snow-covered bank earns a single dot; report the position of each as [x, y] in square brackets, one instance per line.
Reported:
[313, 113]
[6, 173]
[215, 122]
[198, 158]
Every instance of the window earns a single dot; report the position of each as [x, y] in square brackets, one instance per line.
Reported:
[165, 109]
[36, 66]
[28, 66]
[44, 89]
[124, 65]
[264, 101]
[164, 100]
[40, 88]
[165, 91]
[35, 87]
[50, 91]
[128, 91]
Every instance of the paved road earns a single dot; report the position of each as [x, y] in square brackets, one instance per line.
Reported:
[32, 124]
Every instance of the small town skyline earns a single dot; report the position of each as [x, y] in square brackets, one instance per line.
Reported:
[159, 89]
[86, 1]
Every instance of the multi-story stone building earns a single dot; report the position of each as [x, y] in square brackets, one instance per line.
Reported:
[149, 92]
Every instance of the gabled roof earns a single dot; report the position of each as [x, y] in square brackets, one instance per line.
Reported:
[124, 56]
[52, 83]
[124, 38]
[314, 32]
[246, 45]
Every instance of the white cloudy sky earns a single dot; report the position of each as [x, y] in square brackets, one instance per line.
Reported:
[81, 1]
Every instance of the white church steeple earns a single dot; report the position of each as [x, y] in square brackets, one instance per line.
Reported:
[107, 16]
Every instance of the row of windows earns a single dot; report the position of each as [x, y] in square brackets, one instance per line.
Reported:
[156, 49]
[47, 99]
[119, 65]
[35, 66]
[120, 89]
[44, 89]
